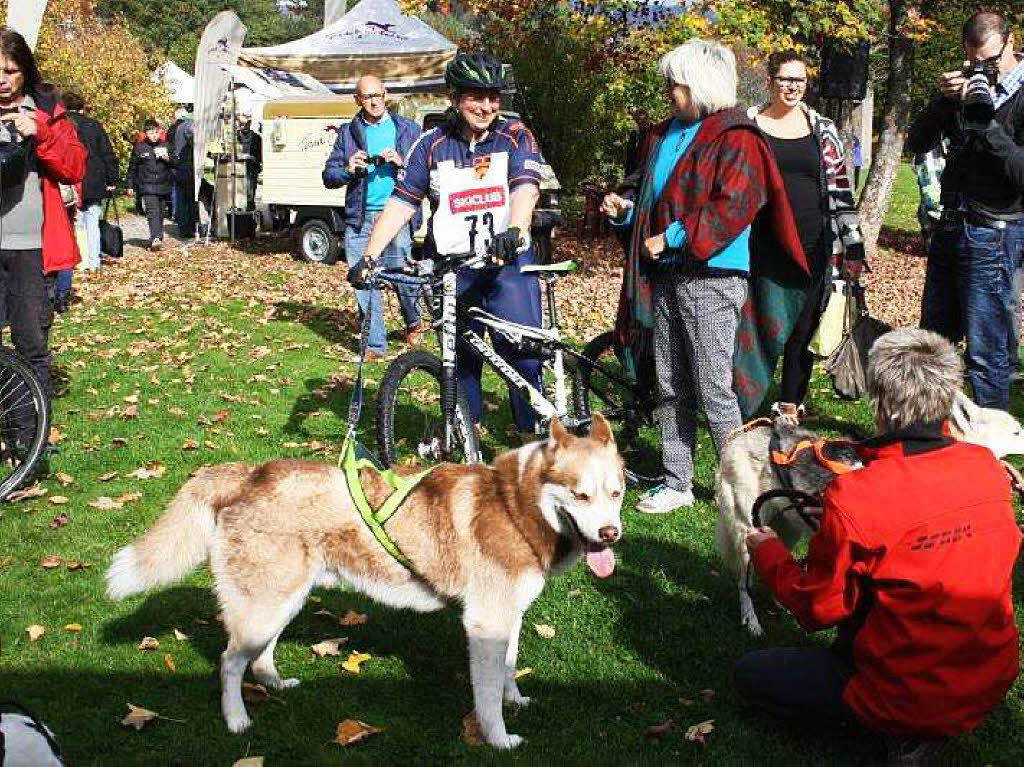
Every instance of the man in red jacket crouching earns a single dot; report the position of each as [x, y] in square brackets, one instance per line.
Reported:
[913, 563]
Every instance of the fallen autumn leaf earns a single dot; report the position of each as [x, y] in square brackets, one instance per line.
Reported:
[352, 618]
[34, 632]
[149, 643]
[354, 661]
[328, 647]
[544, 630]
[352, 731]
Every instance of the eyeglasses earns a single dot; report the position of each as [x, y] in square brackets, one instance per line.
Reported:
[796, 82]
[370, 96]
[994, 60]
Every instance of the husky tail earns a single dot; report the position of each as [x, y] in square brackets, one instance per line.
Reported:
[180, 540]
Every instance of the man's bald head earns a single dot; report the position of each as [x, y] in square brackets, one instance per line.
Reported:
[371, 95]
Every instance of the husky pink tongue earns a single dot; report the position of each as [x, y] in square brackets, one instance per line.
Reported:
[600, 560]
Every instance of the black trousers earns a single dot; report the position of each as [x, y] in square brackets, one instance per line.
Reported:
[797, 359]
[154, 205]
[804, 684]
[27, 310]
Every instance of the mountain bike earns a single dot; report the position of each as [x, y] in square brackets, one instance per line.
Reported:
[421, 414]
[24, 421]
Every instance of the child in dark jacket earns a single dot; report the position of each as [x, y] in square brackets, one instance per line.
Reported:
[149, 176]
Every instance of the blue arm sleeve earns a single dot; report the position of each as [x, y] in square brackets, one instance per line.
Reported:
[675, 235]
[336, 173]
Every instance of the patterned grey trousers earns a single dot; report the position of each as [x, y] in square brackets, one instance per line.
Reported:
[695, 322]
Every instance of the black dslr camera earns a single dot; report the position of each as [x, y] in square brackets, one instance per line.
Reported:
[372, 160]
[977, 108]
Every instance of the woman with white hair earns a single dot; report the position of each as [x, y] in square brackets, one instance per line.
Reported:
[703, 177]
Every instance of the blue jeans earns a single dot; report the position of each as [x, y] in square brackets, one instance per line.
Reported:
[513, 296]
[91, 215]
[988, 259]
[394, 256]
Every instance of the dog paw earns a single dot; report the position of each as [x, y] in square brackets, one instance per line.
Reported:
[287, 684]
[753, 626]
[514, 741]
[238, 723]
[518, 700]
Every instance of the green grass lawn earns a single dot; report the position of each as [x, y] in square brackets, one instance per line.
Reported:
[228, 356]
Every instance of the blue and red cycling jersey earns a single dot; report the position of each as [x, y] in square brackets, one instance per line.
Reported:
[419, 177]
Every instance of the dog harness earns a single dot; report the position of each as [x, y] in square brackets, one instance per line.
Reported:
[782, 462]
[352, 464]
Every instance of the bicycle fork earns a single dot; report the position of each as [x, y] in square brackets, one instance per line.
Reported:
[449, 383]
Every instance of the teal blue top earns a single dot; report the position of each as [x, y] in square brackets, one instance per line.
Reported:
[381, 178]
[677, 140]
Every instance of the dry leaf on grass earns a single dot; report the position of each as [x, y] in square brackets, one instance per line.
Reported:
[255, 693]
[138, 717]
[169, 663]
[108, 476]
[151, 470]
[471, 734]
[130, 412]
[698, 733]
[59, 521]
[74, 564]
[128, 498]
[355, 660]
[105, 503]
[352, 618]
[63, 478]
[324, 613]
[544, 630]
[34, 632]
[180, 636]
[56, 435]
[249, 761]
[189, 444]
[352, 731]
[328, 647]
[149, 643]
[660, 730]
[36, 491]
[51, 561]
[74, 628]
[58, 500]
[523, 672]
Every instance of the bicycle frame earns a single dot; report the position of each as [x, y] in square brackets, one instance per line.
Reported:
[452, 321]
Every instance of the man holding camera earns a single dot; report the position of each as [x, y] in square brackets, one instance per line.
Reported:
[979, 240]
[367, 156]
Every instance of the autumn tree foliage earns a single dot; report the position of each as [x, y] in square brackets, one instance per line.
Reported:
[104, 62]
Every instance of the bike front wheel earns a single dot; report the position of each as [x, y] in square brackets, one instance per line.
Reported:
[410, 421]
[24, 421]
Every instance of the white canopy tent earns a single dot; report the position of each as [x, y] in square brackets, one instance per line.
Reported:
[255, 87]
[373, 38]
[180, 83]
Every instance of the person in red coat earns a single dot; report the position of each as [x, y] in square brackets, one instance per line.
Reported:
[913, 562]
[36, 235]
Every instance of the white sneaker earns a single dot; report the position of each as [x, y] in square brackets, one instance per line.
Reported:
[663, 499]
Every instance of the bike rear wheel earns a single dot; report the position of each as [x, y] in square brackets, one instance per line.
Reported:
[409, 417]
[615, 403]
[24, 421]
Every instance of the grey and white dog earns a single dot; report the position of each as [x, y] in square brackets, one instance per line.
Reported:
[745, 472]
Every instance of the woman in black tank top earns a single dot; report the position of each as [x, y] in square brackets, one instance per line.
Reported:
[800, 153]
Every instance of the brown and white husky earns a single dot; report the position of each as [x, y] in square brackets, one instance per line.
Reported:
[487, 537]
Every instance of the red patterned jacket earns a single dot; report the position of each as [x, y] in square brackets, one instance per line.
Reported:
[914, 563]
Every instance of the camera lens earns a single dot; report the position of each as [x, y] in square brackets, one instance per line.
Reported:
[978, 108]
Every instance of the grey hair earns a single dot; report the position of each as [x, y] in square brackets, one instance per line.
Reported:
[913, 376]
[707, 68]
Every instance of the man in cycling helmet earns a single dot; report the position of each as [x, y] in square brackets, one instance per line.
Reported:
[482, 174]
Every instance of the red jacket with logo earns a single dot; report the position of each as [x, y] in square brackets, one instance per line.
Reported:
[61, 160]
[914, 562]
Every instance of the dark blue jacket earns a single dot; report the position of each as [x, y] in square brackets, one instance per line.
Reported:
[351, 139]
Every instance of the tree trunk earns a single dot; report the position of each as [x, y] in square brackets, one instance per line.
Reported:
[895, 118]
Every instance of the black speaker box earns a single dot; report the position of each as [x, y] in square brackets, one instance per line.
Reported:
[245, 223]
[844, 71]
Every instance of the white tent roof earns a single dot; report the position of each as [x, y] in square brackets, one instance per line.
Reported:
[180, 83]
[372, 38]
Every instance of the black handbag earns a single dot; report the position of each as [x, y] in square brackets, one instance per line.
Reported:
[848, 364]
[111, 236]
